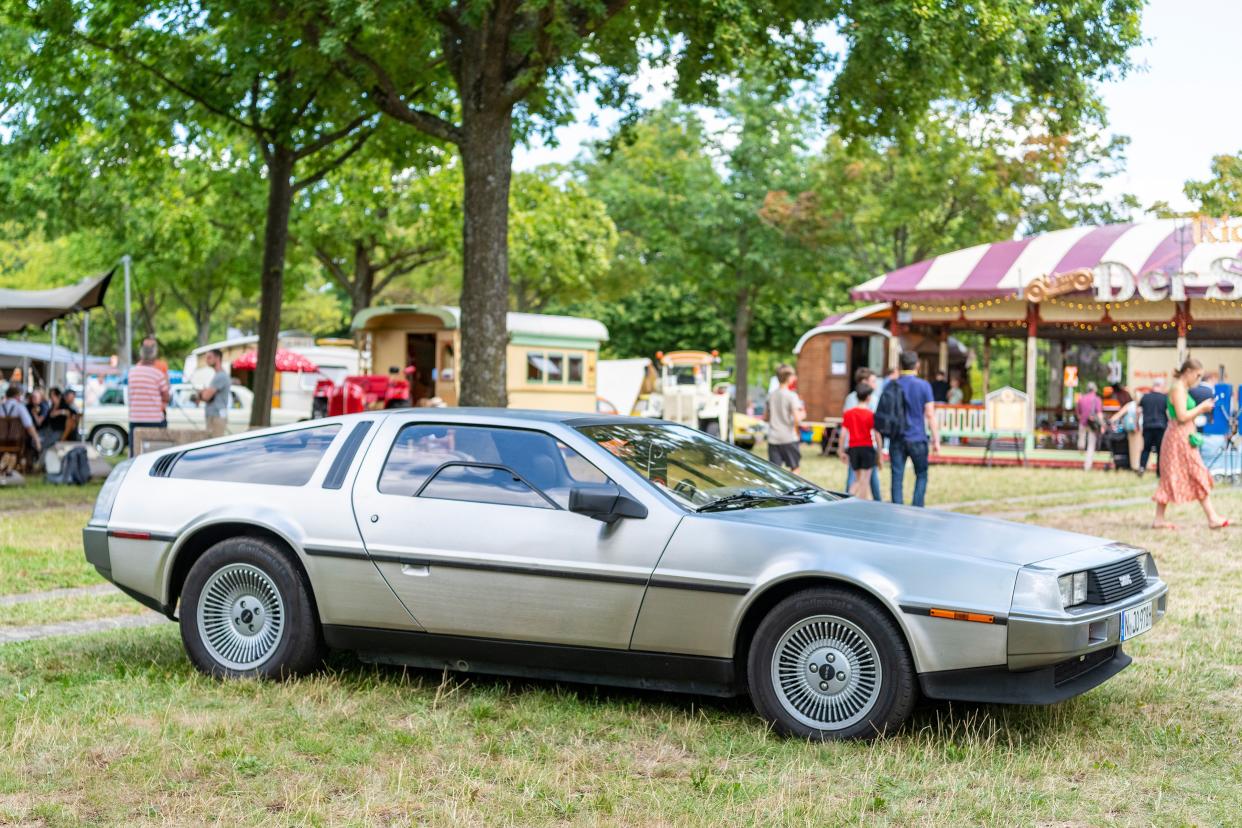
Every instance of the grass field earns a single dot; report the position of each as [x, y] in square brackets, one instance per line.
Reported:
[116, 727]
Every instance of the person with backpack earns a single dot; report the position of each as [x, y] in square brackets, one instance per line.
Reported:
[906, 414]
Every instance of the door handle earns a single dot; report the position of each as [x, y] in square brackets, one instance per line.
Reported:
[418, 570]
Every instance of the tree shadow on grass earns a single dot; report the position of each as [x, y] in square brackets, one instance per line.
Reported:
[155, 654]
[952, 726]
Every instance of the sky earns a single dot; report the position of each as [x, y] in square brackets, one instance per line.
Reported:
[1179, 107]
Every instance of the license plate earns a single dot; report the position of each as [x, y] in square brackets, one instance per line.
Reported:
[1136, 621]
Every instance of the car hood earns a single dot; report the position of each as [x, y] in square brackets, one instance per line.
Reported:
[923, 530]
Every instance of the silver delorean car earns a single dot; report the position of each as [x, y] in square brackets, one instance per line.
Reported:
[610, 550]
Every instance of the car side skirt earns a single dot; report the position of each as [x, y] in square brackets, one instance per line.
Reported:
[1048, 685]
[528, 659]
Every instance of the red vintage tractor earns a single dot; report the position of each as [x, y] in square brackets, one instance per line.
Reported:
[360, 393]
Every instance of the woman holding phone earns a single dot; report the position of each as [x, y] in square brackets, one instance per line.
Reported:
[1183, 477]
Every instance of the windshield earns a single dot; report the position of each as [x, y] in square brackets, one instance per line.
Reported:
[693, 469]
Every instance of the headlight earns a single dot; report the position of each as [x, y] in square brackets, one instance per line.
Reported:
[107, 495]
[1073, 588]
[1148, 564]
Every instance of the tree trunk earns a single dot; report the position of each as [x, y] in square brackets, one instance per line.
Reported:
[272, 285]
[741, 348]
[487, 161]
[202, 321]
[364, 281]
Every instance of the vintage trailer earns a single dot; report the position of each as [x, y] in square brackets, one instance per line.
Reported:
[551, 360]
[830, 353]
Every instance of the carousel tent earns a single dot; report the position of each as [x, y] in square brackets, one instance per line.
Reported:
[1005, 269]
[1171, 282]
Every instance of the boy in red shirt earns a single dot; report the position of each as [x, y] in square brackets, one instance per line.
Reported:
[864, 441]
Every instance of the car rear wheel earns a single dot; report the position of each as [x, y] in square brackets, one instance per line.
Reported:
[109, 440]
[830, 664]
[246, 612]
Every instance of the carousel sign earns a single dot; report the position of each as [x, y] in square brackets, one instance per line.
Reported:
[1115, 282]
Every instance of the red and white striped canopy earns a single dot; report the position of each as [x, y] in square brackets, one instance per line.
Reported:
[1005, 268]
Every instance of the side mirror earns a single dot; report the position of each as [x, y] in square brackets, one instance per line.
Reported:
[604, 502]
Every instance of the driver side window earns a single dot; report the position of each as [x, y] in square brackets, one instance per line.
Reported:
[508, 466]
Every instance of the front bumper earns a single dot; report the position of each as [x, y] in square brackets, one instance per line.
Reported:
[1042, 639]
[1051, 657]
[1000, 685]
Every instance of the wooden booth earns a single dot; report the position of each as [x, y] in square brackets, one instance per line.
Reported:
[551, 360]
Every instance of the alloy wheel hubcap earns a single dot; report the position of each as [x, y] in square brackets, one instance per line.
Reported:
[826, 672]
[108, 443]
[240, 616]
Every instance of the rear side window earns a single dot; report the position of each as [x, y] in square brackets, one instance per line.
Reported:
[540, 461]
[285, 459]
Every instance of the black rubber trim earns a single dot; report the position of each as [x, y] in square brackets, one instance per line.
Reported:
[152, 536]
[999, 685]
[335, 478]
[997, 620]
[664, 583]
[595, 665]
[518, 569]
[146, 600]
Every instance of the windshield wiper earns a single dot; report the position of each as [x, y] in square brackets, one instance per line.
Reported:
[804, 490]
[746, 498]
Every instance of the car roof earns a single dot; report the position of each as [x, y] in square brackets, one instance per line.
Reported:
[573, 419]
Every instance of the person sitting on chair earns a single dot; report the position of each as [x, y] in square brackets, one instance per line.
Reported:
[12, 407]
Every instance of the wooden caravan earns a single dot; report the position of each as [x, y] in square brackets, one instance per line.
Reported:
[550, 361]
[829, 354]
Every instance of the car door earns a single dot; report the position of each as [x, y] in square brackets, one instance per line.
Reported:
[469, 524]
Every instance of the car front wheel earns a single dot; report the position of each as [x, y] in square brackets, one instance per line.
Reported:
[246, 612]
[831, 664]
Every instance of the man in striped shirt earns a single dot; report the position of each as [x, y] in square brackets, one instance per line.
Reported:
[148, 393]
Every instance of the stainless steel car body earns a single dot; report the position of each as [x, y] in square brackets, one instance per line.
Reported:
[676, 583]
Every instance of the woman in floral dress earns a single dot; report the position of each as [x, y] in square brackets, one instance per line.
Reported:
[1183, 477]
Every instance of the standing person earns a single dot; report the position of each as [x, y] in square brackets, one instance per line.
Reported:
[940, 388]
[216, 395]
[785, 422]
[148, 392]
[13, 407]
[911, 441]
[1183, 477]
[868, 377]
[1153, 419]
[956, 395]
[1090, 410]
[864, 444]
[1128, 419]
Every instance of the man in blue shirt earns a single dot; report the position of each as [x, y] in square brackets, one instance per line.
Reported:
[913, 443]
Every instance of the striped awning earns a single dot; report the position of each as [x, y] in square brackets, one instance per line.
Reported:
[1004, 269]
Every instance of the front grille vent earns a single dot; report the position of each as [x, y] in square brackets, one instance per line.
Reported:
[163, 465]
[1115, 582]
[1077, 667]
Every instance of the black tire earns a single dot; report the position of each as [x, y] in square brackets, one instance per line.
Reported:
[712, 428]
[249, 574]
[877, 692]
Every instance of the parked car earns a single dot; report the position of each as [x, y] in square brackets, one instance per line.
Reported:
[107, 421]
[611, 550]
